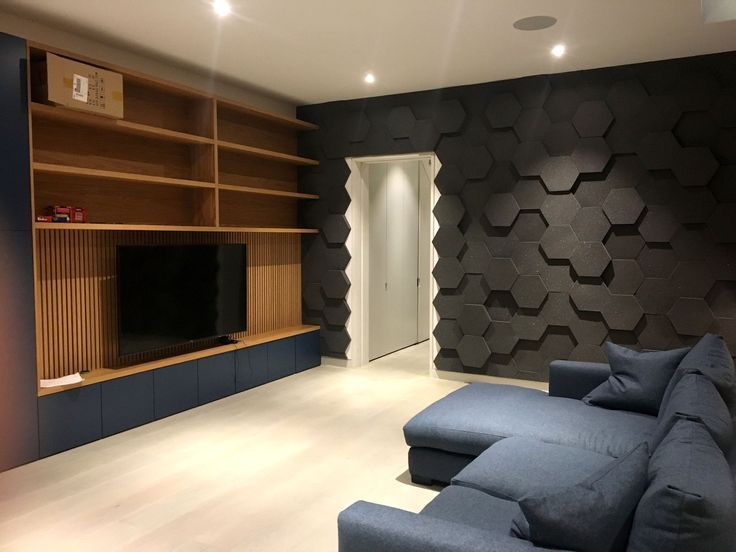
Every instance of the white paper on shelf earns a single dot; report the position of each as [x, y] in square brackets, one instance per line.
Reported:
[66, 380]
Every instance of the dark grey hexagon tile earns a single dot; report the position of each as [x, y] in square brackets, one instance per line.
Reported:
[532, 124]
[658, 334]
[592, 193]
[623, 206]
[590, 224]
[476, 257]
[622, 312]
[475, 162]
[589, 297]
[448, 361]
[725, 146]
[475, 196]
[424, 136]
[500, 241]
[723, 184]
[559, 174]
[337, 257]
[692, 205]
[722, 262]
[502, 145]
[449, 116]
[559, 242]
[475, 289]
[591, 155]
[473, 351]
[529, 362]
[312, 297]
[692, 279]
[626, 172]
[314, 213]
[694, 166]
[585, 352]
[529, 291]
[557, 344]
[476, 131]
[448, 303]
[722, 299]
[447, 333]
[501, 306]
[338, 200]
[336, 340]
[558, 310]
[590, 259]
[503, 110]
[560, 209]
[562, 104]
[657, 191]
[501, 209]
[625, 134]
[626, 98]
[529, 194]
[450, 180]
[658, 225]
[529, 227]
[624, 243]
[335, 284]
[448, 241]
[658, 150]
[693, 243]
[696, 90]
[592, 118]
[449, 210]
[501, 338]
[336, 229]
[590, 330]
[626, 277]
[400, 122]
[696, 128]
[690, 316]
[448, 272]
[530, 328]
[724, 109]
[357, 126]
[500, 274]
[450, 148]
[722, 224]
[528, 258]
[474, 320]
[336, 313]
[560, 139]
[532, 91]
[726, 327]
[656, 295]
[657, 262]
[529, 158]
[659, 113]
[557, 277]
[502, 178]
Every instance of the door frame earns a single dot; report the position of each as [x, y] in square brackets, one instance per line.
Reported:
[357, 243]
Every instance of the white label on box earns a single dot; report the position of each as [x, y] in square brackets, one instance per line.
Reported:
[80, 87]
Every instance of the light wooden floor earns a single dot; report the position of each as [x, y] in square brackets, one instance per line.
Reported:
[265, 470]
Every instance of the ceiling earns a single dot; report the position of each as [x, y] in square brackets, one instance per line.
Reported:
[311, 51]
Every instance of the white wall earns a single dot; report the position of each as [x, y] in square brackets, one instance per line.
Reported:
[37, 32]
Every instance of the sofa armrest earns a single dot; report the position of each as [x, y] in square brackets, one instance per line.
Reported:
[574, 380]
[367, 527]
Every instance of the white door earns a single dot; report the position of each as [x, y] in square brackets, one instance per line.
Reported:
[394, 256]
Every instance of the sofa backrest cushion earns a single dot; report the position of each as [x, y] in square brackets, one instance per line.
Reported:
[689, 504]
[588, 516]
[637, 381]
[696, 398]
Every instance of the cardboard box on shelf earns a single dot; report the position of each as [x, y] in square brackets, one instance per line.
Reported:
[79, 86]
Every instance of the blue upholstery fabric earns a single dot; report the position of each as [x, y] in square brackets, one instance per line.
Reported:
[573, 379]
[588, 516]
[517, 467]
[473, 508]
[637, 381]
[435, 466]
[471, 419]
[696, 397]
[689, 504]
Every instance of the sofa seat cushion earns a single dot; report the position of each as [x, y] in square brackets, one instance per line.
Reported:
[518, 466]
[474, 508]
[471, 419]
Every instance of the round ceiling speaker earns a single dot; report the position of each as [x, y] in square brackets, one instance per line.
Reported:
[535, 23]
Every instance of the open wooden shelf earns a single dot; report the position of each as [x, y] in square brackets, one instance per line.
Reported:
[266, 154]
[91, 226]
[273, 118]
[105, 374]
[82, 172]
[266, 192]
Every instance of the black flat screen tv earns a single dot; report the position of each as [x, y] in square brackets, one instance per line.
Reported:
[170, 295]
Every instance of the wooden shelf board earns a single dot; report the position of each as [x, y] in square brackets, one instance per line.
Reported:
[105, 374]
[266, 154]
[289, 122]
[119, 125]
[163, 228]
[266, 192]
[49, 168]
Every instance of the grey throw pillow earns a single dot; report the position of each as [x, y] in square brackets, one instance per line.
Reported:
[637, 381]
[589, 516]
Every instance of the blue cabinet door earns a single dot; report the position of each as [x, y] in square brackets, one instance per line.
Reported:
[281, 359]
[307, 351]
[216, 377]
[69, 419]
[175, 389]
[126, 403]
[251, 367]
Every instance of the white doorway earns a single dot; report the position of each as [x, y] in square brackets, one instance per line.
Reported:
[392, 255]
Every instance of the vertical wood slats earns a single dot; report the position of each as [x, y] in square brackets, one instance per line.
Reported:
[77, 292]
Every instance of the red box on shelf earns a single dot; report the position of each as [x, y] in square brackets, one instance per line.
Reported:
[79, 214]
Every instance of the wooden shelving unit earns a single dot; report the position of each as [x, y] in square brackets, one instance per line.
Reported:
[91, 227]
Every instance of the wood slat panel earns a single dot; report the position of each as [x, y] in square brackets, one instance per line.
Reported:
[77, 293]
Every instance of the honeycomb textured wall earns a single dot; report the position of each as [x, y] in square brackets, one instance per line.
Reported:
[575, 208]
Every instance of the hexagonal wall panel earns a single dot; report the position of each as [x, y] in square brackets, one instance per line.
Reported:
[696, 129]
[530, 194]
[400, 122]
[624, 243]
[449, 180]
[591, 155]
[338, 200]
[336, 313]
[562, 103]
[585, 352]
[590, 259]
[558, 310]
[475, 162]
[655, 295]
[501, 209]
[692, 279]
[335, 284]
[336, 229]
[502, 144]
[473, 351]
[501, 306]
[557, 277]
[448, 272]
[530, 328]
[722, 224]
[657, 262]
[449, 116]
[658, 225]
[560, 139]
[476, 257]
[592, 193]
[659, 113]
[695, 166]
[590, 224]
[447, 360]
[622, 312]
[424, 135]
[588, 331]
[626, 98]
[722, 299]
[529, 227]
[529, 291]
[560, 209]
[658, 150]
[592, 118]
[448, 304]
[449, 210]
[588, 297]
[474, 320]
[527, 258]
[500, 274]
[623, 206]
[501, 338]
[532, 91]
[559, 242]
[559, 174]
[357, 126]
[312, 297]
[692, 205]
[529, 158]
[475, 289]
[448, 241]
[475, 195]
[658, 334]
[690, 316]
[503, 110]
[627, 277]
[336, 340]
[450, 148]
[447, 333]
[532, 124]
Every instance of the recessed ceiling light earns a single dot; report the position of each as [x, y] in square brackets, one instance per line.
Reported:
[558, 50]
[369, 78]
[221, 7]
[535, 23]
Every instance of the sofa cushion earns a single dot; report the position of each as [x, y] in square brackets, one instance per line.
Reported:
[517, 467]
[474, 508]
[588, 516]
[689, 503]
[637, 381]
[471, 419]
[695, 397]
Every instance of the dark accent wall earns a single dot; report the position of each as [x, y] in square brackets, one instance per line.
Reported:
[575, 208]
[18, 402]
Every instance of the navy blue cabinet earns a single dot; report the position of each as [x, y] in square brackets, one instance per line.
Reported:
[126, 403]
[175, 389]
[216, 376]
[307, 351]
[251, 367]
[281, 360]
[69, 419]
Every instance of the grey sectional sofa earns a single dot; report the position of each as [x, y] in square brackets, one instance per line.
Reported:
[497, 444]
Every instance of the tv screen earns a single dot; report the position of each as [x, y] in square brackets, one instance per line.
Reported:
[169, 295]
